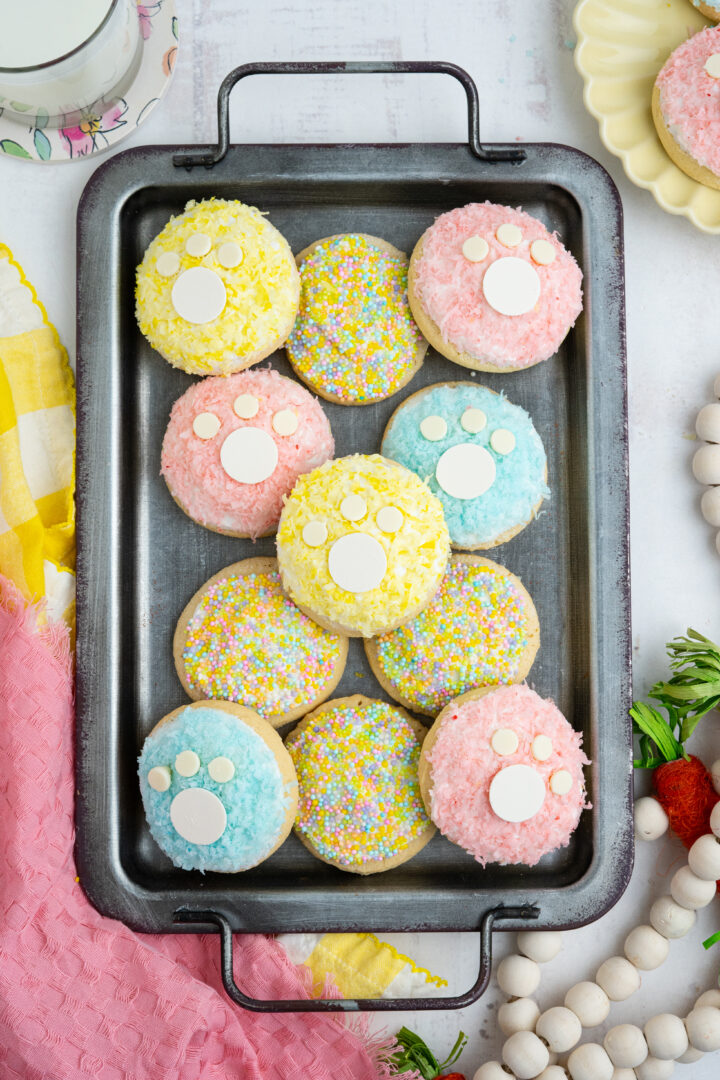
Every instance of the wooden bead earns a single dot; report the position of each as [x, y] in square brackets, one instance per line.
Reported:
[625, 1045]
[671, 920]
[715, 813]
[553, 1072]
[525, 1054]
[706, 464]
[704, 858]
[653, 1068]
[589, 1002]
[690, 1056]
[707, 423]
[651, 821]
[710, 997]
[690, 891]
[492, 1070]
[560, 1028]
[520, 1014]
[666, 1036]
[518, 976]
[715, 774]
[618, 978]
[703, 1028]
[589, 1062]
[540, 945]
[710, 505]
[645, 948]
[623, 1074]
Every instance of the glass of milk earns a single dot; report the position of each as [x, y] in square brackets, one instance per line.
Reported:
[61, 59]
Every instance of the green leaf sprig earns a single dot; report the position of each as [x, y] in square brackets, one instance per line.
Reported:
[691, 692]
[416, 1054]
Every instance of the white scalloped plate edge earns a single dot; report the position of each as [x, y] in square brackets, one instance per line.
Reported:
[592, 78]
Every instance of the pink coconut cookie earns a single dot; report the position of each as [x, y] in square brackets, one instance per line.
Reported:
[492, 289]
[501, 775]
[235, 446]
[686, 106]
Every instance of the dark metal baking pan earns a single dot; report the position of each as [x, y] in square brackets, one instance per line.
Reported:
[140, 558]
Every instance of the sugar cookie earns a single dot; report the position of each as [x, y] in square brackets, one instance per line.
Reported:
[235, 446]
[375, 569]
[355, 340]
[492, 289]
[500, 804]
[240, 638]
[480, 629]
[217, 290]
[487, 466]
[359, 800]
[218, 787]
[686, 104]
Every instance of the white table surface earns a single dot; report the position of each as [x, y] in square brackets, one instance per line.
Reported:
[521, 58]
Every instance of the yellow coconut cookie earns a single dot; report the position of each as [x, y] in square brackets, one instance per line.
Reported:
[362, 545]
[218, 288]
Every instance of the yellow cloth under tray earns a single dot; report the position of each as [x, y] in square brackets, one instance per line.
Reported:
[37, 448]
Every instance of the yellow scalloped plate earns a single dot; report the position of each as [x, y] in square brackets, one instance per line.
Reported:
[621, 46]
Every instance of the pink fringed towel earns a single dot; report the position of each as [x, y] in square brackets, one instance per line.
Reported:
[81, 995]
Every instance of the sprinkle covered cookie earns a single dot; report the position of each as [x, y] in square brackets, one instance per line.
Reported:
[218, 787]
[686, 106]
[492, 289]
[355, 340]
[362, 544]
[235, 446]
[217, 289]
[359, 799]
[241, 639]
[480, 455]
[480, 629]
[501, 774]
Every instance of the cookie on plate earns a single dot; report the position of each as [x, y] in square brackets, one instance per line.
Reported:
[501, 774]
[480, 455]
[480, 629]
[218, 787]
[362, 545]
[217, 289]
[359, 799]
[492, 289]
[235, 446]
[354, 340]
[686, 106]
[240, 638]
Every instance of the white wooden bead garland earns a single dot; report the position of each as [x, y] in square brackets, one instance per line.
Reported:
[627, 1053]
[706, 462]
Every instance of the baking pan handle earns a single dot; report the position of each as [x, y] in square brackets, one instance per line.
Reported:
[389, 67]
[283, 1005]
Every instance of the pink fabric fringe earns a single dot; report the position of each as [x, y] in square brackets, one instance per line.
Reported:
[81, 995]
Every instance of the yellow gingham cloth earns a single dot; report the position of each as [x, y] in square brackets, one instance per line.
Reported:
[37, 553]
[37, 449]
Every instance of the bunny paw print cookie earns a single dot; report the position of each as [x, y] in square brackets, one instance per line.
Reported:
[492, 289]
[218, 787]
[217, 289]
[480, 455]
[234, 448]
[362, 545]
[501, 775]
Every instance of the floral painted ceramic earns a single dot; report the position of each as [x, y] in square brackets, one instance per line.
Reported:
[38, 142]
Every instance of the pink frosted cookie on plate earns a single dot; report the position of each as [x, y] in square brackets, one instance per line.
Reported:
[686, 106]
[235, 446]
[501, 775]
[492, 289]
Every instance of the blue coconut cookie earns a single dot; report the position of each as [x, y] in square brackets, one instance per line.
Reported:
[479, 454]
[218, 787]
